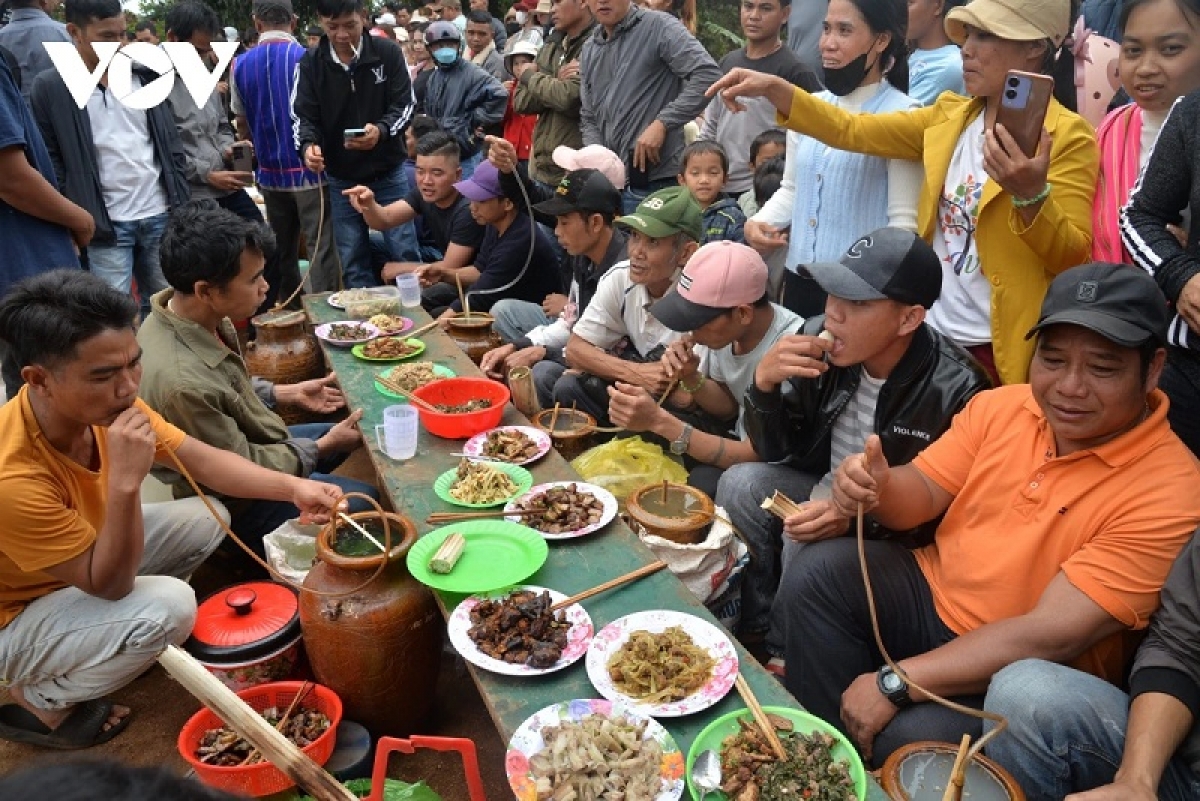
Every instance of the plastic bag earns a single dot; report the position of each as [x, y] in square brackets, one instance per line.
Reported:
[292, 549]
[624, 465]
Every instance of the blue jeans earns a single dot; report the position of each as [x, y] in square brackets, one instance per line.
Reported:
[1066, 732]
[470, 163]
[132, 253]
[516, 318]
[741, 491]
[631, 197]
[351, 234]
[260, 518]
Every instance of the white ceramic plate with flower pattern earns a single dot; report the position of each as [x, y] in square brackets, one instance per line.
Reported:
[475, 445]
[704, 634]
[578, 636]
[608, 511]
[527, 742]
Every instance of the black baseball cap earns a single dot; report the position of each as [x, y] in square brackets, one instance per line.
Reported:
[1121, 303]
[586, 191]
[887, 264]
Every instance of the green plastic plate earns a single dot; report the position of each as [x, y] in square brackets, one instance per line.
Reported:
[498, 554]
[519, 475]
[715, 732]
[357, 350]
[439, 370]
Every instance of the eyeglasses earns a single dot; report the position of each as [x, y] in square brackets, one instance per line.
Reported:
[957, 219]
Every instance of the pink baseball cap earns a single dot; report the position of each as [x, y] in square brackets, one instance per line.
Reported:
[592, 157]
[719, 276]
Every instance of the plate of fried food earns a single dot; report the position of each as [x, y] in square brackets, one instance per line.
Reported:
[514, 444]
[563, 510]
[390, 323]
[513, 631]
[411, 376]
[478, 485]
[388, 349]
[592, 748]
[662, 663]
[821, 763]
[346, 333]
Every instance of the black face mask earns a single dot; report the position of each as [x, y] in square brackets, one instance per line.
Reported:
[841, 81]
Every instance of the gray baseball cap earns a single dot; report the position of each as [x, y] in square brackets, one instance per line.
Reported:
[1121, 303]
[889, 263]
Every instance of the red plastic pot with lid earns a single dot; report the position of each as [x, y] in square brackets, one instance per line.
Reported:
[248, 634]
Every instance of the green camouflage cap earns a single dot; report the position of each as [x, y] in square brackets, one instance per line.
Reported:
[665, 213]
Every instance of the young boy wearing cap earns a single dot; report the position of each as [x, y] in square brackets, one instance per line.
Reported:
[1062, 504]
[885, 371]
[504, 266]
[584, 209]
[616, 338]
[721, 298]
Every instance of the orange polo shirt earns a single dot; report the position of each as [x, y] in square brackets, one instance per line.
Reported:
[51, 507]
[1111, 518]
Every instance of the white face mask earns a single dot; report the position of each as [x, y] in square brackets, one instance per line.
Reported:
[521, 17]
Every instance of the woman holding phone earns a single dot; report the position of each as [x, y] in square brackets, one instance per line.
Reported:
[1003, 222]
[830, 197]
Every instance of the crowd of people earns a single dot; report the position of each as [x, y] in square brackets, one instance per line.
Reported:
[823, 266]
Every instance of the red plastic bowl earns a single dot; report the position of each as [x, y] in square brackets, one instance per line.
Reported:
[261, 778]
[454, 391]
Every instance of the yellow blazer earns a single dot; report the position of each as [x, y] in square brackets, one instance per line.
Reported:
[1019, 260]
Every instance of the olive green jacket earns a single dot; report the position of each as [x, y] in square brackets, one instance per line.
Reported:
[556, 102]
[202, 386]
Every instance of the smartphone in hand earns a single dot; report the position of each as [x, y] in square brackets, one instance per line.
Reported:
[243, 158]
[1023, 105]
[354, 133]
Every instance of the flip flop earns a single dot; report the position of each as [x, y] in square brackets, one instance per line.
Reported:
[83, 728]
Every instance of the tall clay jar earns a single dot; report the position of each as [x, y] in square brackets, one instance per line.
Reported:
[284, 352]
[379, 648]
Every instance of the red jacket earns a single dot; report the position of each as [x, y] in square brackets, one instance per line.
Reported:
[518, 129]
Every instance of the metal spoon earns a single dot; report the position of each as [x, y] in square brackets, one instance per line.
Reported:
[706, 773]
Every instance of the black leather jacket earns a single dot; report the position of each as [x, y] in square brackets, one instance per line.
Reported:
[933, 380]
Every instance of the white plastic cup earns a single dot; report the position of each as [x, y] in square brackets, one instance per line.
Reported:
[397, 437]
[410, 290]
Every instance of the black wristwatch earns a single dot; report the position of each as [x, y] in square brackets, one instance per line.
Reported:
[894, 688]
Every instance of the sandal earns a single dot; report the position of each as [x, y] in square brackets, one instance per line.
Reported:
[83, 728]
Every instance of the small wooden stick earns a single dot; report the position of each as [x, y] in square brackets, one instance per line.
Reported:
[574, 417]
[958, 774]
[399, 390]
[667, 392]
[554, 418]
[423, 329]
[646, 570]
[462, 299]
[283, 721]
[354, 524]
[760, 718]
[437, 518]
[664, 491]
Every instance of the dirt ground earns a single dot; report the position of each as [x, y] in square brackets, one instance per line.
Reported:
[161, 707]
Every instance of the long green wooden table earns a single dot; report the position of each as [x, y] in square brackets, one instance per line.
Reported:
[572, 566]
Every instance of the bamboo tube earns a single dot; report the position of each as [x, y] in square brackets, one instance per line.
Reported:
[958, 773]
[280, 751]
[781, 506]
[524, 393]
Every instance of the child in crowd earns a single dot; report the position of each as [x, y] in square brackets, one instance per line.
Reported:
[768, 177]
[934, 62]
[518, 128]
[703, 169]
[768, 145]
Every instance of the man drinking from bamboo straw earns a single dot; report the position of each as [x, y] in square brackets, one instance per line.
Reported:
[90, 579]
[1063, 503]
